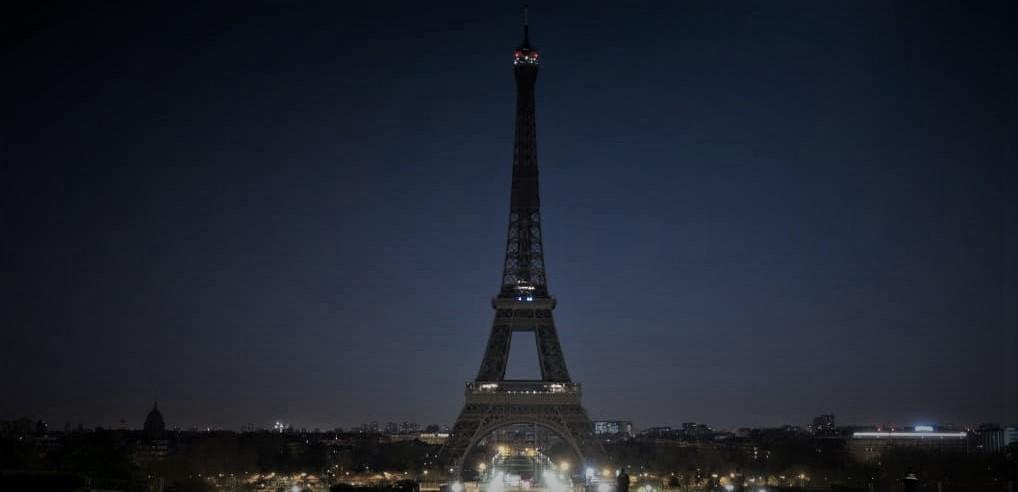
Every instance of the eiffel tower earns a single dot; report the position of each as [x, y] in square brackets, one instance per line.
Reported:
[522, 305]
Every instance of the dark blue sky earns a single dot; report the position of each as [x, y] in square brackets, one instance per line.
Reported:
[754, 212]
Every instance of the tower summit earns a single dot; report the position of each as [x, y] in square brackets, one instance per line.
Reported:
[523, 304]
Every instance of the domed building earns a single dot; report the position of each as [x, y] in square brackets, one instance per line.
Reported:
[154, 424]
[153, 446]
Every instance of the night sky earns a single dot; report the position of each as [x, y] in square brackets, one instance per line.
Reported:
[754, 213]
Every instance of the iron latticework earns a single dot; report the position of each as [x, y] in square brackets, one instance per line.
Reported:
[523, 304]
[523, 271]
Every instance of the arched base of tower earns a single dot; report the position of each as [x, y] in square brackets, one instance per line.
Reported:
[489, 407]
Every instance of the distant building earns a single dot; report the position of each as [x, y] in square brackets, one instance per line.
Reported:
[870, 445]
[154, 424]
[658, 432]
[822, 424]
[994, 439]
[153, 446]
[45, 444]
[693, 430]
[613, 429]
[151, 451]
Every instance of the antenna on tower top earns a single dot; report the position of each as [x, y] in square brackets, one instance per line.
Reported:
[526, 26]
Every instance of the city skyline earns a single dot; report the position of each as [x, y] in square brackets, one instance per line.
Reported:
[819, 425]
[252, 226]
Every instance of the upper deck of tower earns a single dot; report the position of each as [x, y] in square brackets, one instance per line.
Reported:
[526, 54]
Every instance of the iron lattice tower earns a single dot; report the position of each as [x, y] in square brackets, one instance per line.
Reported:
[523, 304]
